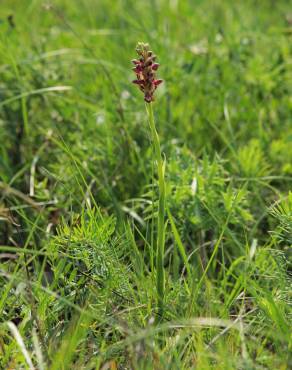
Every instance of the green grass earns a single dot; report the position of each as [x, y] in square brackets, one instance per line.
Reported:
[79, 196]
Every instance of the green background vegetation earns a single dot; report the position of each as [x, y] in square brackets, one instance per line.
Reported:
[78, 204]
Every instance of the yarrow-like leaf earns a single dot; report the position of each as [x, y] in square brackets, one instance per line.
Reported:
[145, 68]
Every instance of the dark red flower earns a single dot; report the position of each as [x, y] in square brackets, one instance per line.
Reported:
[145, 69]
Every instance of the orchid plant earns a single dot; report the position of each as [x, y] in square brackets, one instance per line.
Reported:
[145, 70]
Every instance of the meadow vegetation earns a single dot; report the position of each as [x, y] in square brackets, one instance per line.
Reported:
[79, 192]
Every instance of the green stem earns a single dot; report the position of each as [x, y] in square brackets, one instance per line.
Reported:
[160, 280]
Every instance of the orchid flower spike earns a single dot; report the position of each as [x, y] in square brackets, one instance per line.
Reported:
[145, 68]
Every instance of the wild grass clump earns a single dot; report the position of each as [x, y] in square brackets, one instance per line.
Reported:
[145, 239]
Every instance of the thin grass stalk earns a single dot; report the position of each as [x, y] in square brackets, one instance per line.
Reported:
[160, 278]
